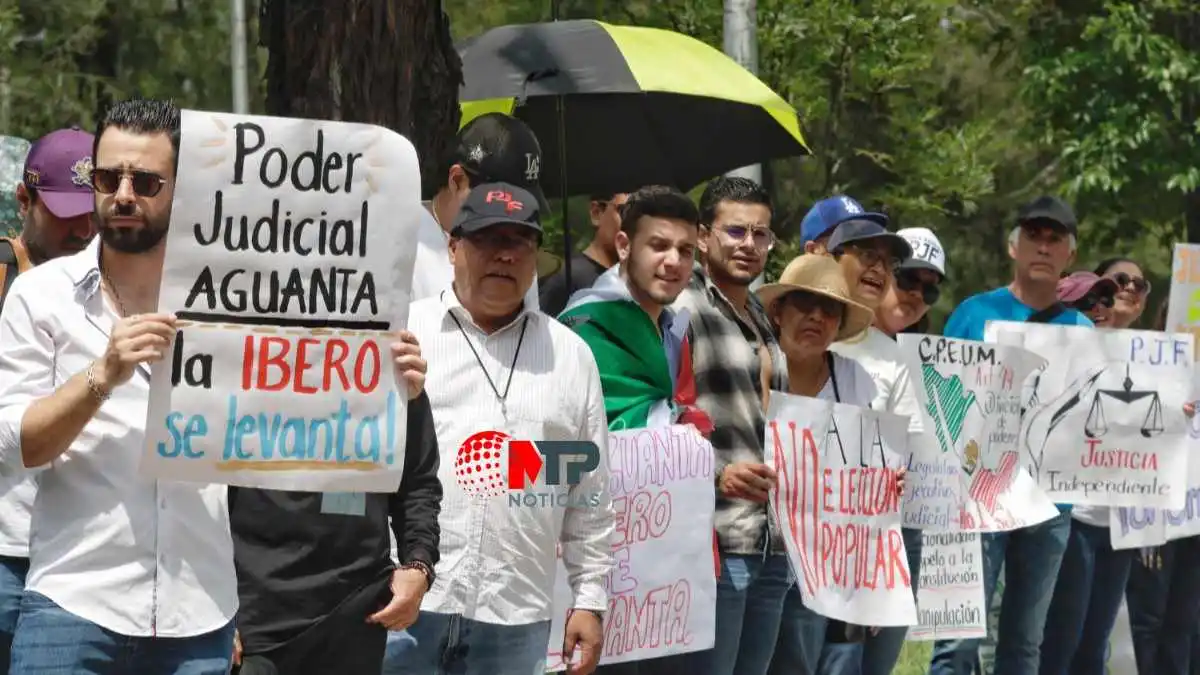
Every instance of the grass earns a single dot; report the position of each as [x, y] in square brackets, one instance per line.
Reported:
[914, 659]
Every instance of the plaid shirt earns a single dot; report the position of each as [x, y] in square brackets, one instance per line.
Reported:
[725, 359]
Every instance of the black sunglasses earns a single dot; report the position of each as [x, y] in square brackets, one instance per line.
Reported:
[144, 183]
[1140, 285]
[910, 281]
[1088, 302]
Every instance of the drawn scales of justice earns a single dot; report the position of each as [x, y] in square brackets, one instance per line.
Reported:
[1096, 424]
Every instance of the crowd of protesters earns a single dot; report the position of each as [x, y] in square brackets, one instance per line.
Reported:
[104, 571]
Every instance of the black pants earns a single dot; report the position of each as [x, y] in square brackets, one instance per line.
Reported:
[1164, 608]
[342, 643]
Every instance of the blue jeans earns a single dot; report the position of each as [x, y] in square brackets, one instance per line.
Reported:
[877, 655]
[1030, 558]
[447, 644]
[1164, 608]
[1087, 595]
[12, 587]
[750, 599]
[50, 639]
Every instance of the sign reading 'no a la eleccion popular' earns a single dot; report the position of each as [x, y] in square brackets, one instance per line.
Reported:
[288, 264]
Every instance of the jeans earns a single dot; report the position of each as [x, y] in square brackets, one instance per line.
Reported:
[1087, 595]
[448, 644]
[877, 654]
[12, 587]
[750, 598]
[49, 639]
[1164, 607]
[1030, 557]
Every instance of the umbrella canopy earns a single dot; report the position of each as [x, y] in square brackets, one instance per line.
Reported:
[640, 105]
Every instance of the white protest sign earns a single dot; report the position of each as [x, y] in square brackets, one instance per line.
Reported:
[970, 477]
[288, 264]
[1139, 527]
[950, 603]
[663, 588]
[838, 509]
[1104, 422]
[1183, 309]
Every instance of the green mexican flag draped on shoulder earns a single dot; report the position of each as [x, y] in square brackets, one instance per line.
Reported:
[629, 351]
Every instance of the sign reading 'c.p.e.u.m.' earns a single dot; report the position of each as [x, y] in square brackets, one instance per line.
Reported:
[288, 265]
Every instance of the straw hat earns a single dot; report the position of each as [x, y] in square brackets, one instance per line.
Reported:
[820, 275]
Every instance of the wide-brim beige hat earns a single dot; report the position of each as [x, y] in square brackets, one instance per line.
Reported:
[820, 275]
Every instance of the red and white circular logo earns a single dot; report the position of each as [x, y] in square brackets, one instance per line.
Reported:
[480, 464]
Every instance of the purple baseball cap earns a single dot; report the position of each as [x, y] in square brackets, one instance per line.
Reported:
[59, 167]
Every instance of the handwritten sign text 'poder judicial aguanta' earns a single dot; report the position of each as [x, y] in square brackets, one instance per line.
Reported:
[288, 265]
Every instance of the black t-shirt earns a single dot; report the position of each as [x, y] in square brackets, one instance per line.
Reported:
[297, 560]
[553, 294]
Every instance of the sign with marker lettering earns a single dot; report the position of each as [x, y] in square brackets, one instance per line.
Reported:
[950, 596]
[968, 475]
[1183, 309]
[838, 508]
[662, 589]
[288, 266]
[1133, 527]
[1103, 422]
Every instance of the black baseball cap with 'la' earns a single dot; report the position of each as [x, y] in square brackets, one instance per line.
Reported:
[499, 148]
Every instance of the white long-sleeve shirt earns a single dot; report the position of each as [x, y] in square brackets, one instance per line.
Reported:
[498, 560]
[139, 557]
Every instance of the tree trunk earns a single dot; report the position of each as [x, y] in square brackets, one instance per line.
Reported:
[385, 62]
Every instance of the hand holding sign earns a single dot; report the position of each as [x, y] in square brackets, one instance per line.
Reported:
[584, 631]
[747, 480]
[142, 338]
[410, 367]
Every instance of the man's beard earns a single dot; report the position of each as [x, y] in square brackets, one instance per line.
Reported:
[133, 240]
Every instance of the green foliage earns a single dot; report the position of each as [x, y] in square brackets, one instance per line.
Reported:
[945, 114]
[1117, 91]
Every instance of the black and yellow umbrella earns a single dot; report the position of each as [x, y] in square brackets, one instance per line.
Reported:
[618, 107]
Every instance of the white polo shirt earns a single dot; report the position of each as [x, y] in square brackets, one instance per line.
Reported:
[139, 557]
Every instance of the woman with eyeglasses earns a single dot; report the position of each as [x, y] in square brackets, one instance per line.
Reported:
[811, 307]
[1163, 596]
[1092, 578]
[1132, 289]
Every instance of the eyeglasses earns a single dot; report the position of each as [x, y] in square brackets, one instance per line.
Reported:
[1089, 302]
[806, 303]
[1140, 285]
[911, 281]
[144, 183]
[763, 237]
[871, 257]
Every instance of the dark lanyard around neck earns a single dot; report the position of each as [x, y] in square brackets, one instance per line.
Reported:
[837, 395]
[501, 398]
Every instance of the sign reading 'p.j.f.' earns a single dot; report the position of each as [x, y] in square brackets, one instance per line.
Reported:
[279, 375]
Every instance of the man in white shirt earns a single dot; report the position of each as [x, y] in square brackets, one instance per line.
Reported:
[54, 201]
[499, 371]
[117, 561]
